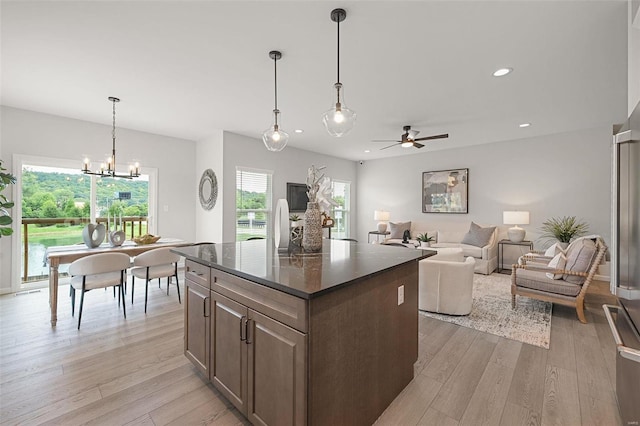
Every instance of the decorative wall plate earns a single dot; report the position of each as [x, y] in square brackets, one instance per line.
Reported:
[208, 190]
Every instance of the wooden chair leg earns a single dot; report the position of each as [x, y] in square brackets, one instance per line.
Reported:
[580, 311]
[513, 301]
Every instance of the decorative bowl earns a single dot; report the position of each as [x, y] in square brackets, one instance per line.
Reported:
[146, 239]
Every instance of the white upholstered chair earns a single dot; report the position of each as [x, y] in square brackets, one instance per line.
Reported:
[98, 271]
[157, 263]
[445, 283]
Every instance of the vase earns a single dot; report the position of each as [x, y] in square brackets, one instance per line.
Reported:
[93, 235]
[116, 238]
[425, 244]
[312, 236]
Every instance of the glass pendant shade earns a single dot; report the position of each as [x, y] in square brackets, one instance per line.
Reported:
[275, 139]
[339, 120]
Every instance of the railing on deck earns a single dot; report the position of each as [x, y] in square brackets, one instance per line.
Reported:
[128, 222]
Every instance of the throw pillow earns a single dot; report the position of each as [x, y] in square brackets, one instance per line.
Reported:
[554, 250]
[478, 236]
[579, 257]
[397, 229]
[558, 262]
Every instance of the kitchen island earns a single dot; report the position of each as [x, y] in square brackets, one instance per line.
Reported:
[303, 338]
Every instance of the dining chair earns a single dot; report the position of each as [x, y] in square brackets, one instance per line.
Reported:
[157, 263]
[98, 271]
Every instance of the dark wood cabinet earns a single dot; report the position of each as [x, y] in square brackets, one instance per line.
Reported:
[196, 316]
[338, 358]
[277, 372]
[257, 363]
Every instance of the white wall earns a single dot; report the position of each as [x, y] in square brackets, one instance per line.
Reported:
[209, 155]
[289, 165]
[565, 174]
[34, 134]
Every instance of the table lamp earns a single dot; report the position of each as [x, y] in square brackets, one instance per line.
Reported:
[382, 217]
[516, 218]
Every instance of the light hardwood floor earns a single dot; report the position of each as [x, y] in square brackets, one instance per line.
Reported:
[132, 372]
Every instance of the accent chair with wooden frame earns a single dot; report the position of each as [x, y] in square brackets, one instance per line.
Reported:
[530, 278]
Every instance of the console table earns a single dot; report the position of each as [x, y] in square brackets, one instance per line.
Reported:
[377, 234]
[501, 245]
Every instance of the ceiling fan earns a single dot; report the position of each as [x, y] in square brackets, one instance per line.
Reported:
[409, 139]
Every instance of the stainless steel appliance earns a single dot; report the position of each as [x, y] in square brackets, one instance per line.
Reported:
[625, 267]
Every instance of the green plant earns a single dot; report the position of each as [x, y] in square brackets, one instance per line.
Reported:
[6, 220]
[424, 238]
[294, 218]
[563, 229]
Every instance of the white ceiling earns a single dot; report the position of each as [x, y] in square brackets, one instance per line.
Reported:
[187, 68]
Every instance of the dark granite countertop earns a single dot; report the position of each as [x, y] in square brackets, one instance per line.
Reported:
[304, 275]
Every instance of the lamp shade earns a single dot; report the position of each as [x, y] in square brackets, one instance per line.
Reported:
[381, 215]
[515, 218]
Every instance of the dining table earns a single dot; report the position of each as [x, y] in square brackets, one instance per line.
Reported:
[60, 255]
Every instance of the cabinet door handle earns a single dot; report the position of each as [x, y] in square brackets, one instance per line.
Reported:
[204, 307]
[243, 328]
[248, 341]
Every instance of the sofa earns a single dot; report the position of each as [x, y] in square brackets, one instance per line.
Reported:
[453, 235]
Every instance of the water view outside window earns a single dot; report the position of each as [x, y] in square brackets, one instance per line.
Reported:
[55, 200]
[253, 203]
[340, 213]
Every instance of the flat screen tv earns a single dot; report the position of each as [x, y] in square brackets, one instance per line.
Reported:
[297, 197]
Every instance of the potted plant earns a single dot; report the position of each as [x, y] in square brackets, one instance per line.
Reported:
[425, 240]
[563, 229]
[295, 220]
[6, 220]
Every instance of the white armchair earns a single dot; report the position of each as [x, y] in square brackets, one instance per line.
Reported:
[446, 286]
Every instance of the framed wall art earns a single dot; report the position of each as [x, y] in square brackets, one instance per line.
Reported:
[445, 191]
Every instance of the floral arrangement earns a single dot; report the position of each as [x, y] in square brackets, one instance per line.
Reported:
[319, 188]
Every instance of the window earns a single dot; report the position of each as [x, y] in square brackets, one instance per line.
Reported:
[340, 213]
[54, 200]
[253, 203]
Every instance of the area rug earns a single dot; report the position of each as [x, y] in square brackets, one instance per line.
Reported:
[491, 312]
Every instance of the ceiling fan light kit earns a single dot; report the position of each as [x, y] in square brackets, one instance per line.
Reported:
[274, 138]
[108, 168]
[408, 139]
[338, 120]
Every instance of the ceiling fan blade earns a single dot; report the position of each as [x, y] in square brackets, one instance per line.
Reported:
[395, 144]
[426, 138]
[385, 140]
[417, 145]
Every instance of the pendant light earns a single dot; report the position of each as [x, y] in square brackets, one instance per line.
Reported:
[108, 169]
[339, 119]
[274, 138]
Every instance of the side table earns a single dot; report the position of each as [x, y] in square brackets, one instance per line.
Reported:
[501, 245]
[377, 234]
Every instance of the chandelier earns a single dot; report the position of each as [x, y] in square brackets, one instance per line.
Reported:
[108, 169]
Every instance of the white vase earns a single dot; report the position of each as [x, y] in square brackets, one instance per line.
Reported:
[425, 244]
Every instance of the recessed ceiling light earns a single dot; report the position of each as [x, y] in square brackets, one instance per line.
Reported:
[299, 131]
[525, 125]
[502, 72]
[367, 150]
